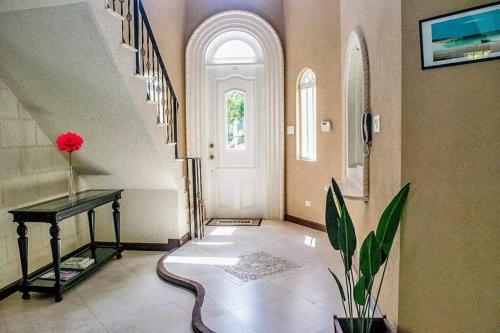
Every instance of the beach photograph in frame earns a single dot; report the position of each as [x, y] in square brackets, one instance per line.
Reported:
[466, 36]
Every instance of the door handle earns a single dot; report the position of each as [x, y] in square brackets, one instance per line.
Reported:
[211, 156]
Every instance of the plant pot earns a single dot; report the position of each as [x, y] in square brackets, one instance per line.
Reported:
[380, 325]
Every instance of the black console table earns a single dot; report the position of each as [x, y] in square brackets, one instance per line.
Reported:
[53, 212]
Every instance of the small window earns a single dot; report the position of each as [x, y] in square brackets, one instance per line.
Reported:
[235, 120]
[306, 116]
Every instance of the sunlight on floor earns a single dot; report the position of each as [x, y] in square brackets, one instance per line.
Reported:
[223, 231]
[221, 261]
[310, 241]
[213, 243]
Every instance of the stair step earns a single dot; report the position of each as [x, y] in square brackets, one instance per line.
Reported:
[128, 47]
[149, 101]
[140, 76]
[113, 13]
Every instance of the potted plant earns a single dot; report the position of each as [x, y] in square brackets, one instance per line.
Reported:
[374, 253]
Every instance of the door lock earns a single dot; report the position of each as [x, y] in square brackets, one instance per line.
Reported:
[211, 145]
[211, 156]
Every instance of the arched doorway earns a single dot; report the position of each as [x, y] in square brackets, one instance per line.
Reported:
[235, 114]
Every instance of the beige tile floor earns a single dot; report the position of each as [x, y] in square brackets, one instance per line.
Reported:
[127, 296]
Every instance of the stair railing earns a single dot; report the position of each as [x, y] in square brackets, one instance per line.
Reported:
[138, 34]
[196, 205]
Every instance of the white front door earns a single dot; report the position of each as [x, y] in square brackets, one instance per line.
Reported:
[235, 152]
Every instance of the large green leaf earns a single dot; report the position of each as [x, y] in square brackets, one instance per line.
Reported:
[360, 290]
[338, 194]
[370, 256]
[332, 220]
[347, 237]
[389, 221]
[339, 285]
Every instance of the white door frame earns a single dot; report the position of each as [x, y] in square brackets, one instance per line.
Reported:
[196, 108]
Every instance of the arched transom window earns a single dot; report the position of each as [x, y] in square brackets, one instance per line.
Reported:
[234, 47]
[306, 116]
[235, 51]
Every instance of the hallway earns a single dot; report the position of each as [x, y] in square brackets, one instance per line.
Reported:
[128, 296]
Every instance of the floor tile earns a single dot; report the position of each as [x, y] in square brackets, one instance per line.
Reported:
[128, 296]
[166, 318]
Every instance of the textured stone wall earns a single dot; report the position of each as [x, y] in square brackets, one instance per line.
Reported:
[31, 169]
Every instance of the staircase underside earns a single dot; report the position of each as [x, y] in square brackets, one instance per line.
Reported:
[64, 68]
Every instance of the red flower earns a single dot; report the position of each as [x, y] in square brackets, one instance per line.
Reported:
[69, 142]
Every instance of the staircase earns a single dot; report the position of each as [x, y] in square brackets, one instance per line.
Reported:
[93, 67]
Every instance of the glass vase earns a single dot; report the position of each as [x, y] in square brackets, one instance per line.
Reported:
[71, 182]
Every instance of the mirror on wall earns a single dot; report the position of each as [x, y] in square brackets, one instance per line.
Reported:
[357, 118]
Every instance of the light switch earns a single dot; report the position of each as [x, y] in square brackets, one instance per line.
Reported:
[376, 124]
[290, 130]
[326, 126]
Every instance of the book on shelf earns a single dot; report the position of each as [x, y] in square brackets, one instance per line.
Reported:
[64, 275]
[77, 263]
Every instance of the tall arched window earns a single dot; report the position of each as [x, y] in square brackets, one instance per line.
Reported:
[306, 116]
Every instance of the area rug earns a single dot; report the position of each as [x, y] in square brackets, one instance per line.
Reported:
[257, 265]
[234, 222]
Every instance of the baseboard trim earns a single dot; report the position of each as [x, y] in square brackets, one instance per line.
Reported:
[179, 242]
[305, 223]
[139, 246]
[13, 287]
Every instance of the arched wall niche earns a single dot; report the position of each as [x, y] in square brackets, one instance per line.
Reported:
[355, 182]
[272, 58]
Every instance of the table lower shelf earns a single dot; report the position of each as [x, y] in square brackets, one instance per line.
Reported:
[103, 254]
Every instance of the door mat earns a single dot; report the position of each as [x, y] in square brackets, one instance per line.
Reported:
[235, 222]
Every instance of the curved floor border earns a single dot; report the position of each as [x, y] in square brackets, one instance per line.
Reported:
[195, 287]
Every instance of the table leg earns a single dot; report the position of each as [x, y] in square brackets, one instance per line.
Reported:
[55, 245]
[22, 242]
[116, 220]
[91, 216]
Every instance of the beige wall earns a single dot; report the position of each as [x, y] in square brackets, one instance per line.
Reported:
[316, 37]
[199, 10]
[380, 24]
[450, 240]
[312, 38]
[31, 169]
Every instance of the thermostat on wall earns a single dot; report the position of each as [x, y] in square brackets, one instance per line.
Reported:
[326, 126]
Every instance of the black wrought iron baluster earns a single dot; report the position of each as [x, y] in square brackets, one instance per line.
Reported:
[148, 67]
[143, 50]
[129, 21]
[121, 14]
[165, 104]
[175, 129]
[153, 78]
[195, 197]
[114, 6]
[136, 36]
[158, 71]
[170, 116]
[162, 97]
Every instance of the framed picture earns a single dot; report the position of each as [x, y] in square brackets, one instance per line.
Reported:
[466, 36]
